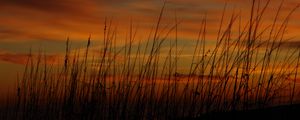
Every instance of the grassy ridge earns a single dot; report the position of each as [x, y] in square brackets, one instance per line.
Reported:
[241, 72]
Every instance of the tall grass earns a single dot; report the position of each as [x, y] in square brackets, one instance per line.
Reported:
[241, 72]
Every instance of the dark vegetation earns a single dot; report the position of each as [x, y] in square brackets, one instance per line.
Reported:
[247, 69]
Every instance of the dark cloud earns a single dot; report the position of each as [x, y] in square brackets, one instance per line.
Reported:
[291, 44]
[19, 58]
[46, 5]
[39, 4]
[14, 58]
[47, 19]
[56, 9]
[8, 32]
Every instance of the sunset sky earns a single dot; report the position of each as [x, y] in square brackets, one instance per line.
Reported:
[44, 25]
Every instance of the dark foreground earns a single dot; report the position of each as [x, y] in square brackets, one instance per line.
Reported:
[285, 112]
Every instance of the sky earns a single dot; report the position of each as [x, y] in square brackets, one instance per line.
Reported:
[44, 25]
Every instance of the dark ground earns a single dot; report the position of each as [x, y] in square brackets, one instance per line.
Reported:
[285, 112]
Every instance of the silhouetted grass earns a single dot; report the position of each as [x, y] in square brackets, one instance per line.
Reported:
[245, 70]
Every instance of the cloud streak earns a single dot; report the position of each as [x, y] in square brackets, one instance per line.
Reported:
[22, 59]
[54, 20]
